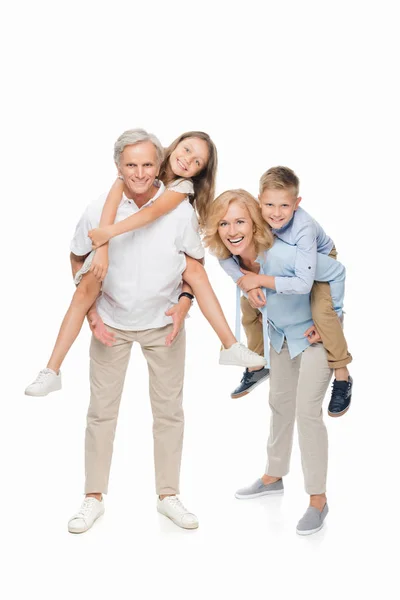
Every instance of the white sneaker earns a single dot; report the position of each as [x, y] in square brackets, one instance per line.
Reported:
[46, 382]
[90, 510]
[173, 508]
[241, 356]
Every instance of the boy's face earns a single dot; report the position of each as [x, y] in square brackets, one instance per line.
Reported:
[278, 206]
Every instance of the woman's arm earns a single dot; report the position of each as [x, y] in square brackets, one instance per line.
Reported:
[163, 205]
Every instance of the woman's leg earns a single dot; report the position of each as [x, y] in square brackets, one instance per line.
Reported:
[195, 275]
[282, 400]
[313, 382]
[85, 294]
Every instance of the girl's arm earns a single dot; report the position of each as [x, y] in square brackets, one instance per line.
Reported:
[111, 204]
[163, 205]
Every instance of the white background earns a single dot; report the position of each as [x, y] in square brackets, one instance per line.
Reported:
[311, 85]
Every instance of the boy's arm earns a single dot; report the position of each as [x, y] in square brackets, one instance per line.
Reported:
[168, 201]
[305, 264]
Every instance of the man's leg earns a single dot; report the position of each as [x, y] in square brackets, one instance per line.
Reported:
[166, 366]
[108, 367]
[107, 373]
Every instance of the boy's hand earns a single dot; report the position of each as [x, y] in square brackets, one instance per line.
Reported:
[99, 266]
[256, 298]
[178, 313]
[249, 281]
[312, 335]
[100, 236]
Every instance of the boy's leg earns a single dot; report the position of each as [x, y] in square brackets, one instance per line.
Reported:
[282, 400]
[108, 367]
[252, 325]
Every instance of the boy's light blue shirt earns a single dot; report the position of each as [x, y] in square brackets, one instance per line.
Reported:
[308, 236]
[289, 316]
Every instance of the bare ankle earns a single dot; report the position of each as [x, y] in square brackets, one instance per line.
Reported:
[318, 501]
[267, 479]
[342, 374]
[97, 495]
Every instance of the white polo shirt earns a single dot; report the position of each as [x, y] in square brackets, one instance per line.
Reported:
[144, 278]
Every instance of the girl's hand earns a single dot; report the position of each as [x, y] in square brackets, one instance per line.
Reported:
[249, 281]
[99, 236]
[99, 266]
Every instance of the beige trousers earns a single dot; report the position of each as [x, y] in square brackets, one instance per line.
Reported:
[325, 319]
[108, 367]
[297, 390]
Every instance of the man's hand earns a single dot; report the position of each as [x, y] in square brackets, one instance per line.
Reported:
[312, 335]
[249, 281]
[99, 266]
[100, 236]
[256, 298]
[178, 313]
[99, 330]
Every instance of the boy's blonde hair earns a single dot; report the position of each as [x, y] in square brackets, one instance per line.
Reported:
[279, 178]
[203, 182]
[263, 237]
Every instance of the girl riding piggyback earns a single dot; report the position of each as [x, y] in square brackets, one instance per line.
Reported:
[188, 171]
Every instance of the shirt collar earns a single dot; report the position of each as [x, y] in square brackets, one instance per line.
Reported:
[158, 185]
[282, 229]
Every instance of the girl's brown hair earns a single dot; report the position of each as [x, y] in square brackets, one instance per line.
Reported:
[204, 182]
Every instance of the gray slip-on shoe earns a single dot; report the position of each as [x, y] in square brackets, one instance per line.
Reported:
[258, 488]
[312, 521]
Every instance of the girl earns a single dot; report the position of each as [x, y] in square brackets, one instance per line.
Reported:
[188, 171]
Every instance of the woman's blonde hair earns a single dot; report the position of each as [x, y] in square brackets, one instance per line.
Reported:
[263, 237]
[203, 182]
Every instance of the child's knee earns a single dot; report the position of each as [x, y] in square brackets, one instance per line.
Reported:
[87, 290]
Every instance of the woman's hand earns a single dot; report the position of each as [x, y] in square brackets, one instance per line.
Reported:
[256, 298]
[99, 266]
[249, 281]
[100, 236]
[178, 313]
[312, 335]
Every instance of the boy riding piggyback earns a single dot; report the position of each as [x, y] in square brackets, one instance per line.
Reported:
[279, 202]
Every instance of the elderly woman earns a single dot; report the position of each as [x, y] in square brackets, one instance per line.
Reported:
[300, 373]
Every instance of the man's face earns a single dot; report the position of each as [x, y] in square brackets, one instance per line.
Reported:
[139, 167]
[278, 206]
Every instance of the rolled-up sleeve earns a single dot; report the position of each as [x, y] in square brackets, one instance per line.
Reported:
[305, 264]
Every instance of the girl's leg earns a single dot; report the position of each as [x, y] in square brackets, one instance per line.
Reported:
[85, 295]
[195, 275]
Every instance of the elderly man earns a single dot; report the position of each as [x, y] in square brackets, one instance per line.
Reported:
[143, 282]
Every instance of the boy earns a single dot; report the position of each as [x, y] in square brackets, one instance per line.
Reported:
[279, 201]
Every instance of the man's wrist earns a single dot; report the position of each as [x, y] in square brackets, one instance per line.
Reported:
[190, 297]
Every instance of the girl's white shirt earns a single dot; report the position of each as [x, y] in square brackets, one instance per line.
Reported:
[144, 278]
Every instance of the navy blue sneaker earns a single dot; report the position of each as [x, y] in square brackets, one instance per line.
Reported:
[340, 398]
[250, 380]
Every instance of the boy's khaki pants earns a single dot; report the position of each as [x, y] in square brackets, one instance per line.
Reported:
[325, 319]
[296, 391]
[108, 367]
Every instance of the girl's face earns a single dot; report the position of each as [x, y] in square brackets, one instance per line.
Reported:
[236, 229]
[189, 157]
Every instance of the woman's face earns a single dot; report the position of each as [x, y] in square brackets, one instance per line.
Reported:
[236, 229]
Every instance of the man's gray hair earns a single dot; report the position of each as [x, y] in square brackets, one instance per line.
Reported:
[135, 136]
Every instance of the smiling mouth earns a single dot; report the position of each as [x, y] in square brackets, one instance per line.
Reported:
[182, 166]
[234, 242]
